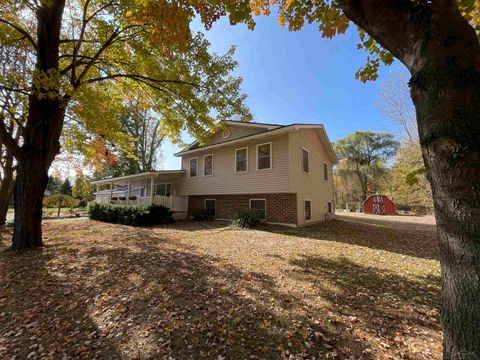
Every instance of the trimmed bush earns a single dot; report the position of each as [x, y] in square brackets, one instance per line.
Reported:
[130, 214]
[246, 218]
[201, 215]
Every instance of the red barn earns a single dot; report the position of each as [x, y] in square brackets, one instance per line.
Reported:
[379, 205]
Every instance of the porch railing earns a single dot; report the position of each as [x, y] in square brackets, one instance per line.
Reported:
[172, 202]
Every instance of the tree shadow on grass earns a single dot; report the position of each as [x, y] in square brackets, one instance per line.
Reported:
[148, 297]
[177, 303]
[393, 307]
[42, 313]
[193, 226]
[405, 241]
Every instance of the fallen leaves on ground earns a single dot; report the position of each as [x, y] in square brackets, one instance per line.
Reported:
[346, 289]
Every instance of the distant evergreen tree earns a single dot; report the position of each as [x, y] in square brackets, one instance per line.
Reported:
[54, 184]
[66, 187]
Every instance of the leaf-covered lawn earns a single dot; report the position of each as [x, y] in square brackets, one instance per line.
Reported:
[357, 287]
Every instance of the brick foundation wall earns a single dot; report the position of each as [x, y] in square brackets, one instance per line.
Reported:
[281, 207]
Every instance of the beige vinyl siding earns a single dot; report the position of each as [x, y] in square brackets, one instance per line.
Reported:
[226, 181]
[236, 132]
[311, 186]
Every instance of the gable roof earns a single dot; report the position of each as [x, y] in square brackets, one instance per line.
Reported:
[262, 126]
[252, 124]
[273, 130]
[385, 196]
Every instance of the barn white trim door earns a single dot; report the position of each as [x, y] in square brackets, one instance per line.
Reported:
[378, 209]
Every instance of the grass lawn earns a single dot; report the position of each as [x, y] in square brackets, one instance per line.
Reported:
[359, 287]
[52, 212]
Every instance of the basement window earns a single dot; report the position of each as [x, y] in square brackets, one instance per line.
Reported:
[211, 207]
[260, 207]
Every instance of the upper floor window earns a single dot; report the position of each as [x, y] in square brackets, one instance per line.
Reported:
[193, 167]
[163, 189]
[264, 156]
[208, 165]
[241, 160]
[325, 171]
[305, 160]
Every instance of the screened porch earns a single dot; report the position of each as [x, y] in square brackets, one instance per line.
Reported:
[155, 187]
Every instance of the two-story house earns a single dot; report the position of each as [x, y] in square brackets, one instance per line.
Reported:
[283, 172]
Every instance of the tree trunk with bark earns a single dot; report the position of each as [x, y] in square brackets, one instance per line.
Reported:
[442, 52]
[445, 88]
[41, 135]
[6, 186]
[362, 179]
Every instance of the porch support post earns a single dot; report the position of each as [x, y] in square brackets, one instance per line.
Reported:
[111, 191]
[96, 194]
[129, 192]
[151, 190]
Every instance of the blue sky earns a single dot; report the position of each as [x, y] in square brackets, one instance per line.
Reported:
[299, 77]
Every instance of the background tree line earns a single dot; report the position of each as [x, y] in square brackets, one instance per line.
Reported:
[372, 162]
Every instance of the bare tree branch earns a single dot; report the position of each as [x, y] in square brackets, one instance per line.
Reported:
[9, 142]
[22, 91]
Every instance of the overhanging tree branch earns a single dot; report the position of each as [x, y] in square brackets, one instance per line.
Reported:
[21, 31]
[76, 48]
[394, 24]
[8, 88]
[100, 51]
[144, 79]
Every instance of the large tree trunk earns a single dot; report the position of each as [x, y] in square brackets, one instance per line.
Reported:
[442, 52]
[445, 88]
[41, 135]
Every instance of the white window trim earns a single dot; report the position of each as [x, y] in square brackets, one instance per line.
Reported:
[308, 156]
[235, 162]
[156, 186]
[271, 159]
[250, 206]
[304, 213]
[205, 205]
[204, 156]
[190, 167]
[325, 166]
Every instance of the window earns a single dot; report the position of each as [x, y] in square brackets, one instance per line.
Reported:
[241, 160]
[211, 207]
[163, 189]
[208, 165]
[308, 210]
[259, 206]
[325, 171]
[193, 166]
[329, 207]
[264, 156]
[305, 160]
